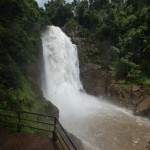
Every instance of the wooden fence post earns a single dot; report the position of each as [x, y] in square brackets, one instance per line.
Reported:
[54, 132]
[19, 122]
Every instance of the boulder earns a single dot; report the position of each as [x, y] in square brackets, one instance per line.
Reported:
[143, 108]
[95, 80]
[135, 88]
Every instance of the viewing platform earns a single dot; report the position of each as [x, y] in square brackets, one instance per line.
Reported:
[21, 130]
[10, 140]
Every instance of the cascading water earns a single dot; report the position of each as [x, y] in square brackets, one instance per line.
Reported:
[100, 125]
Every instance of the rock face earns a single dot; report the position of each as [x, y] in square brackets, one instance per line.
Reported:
[95, 80]
[129, 96]
[143, 108]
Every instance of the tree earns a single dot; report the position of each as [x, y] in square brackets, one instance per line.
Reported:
[80, 10]
[58, 12]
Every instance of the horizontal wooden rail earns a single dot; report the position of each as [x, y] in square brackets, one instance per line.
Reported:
[50, 124]
[62, 129]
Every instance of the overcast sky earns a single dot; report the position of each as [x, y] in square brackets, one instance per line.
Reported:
[41, 2]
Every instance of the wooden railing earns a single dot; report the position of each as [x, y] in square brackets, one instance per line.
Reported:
[39, 124]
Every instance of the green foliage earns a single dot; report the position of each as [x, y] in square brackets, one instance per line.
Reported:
[71, 22]
[125, 26]
[127, 68]
[144, 80]
[114, 53]
[20, 23]
[80, 10]
[20, 26]
[10, 75]
[58, 12]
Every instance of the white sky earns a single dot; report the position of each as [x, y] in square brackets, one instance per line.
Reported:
[41, 2]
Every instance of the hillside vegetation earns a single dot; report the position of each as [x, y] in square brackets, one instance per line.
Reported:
[20, 27]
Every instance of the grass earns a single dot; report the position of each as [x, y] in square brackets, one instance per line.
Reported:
[145, 80]
[32, 101]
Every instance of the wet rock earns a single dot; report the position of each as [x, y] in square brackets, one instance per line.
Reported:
[76, 141]
[148, 146]
[143, 108]
[91, 66]
[121, 95]
[135, 88]
[137, 93]
[95, 80]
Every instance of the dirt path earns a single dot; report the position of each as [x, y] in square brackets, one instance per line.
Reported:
[16, 141]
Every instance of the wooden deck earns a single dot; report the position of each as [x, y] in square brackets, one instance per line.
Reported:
[24, 141]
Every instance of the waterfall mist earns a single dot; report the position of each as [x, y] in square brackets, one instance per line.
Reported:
[100, 125]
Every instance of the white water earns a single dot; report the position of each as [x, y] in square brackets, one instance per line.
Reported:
[99, 125]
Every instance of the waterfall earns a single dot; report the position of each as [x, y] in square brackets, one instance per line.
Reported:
[62, 82]
[61, 63]
[100, 125]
